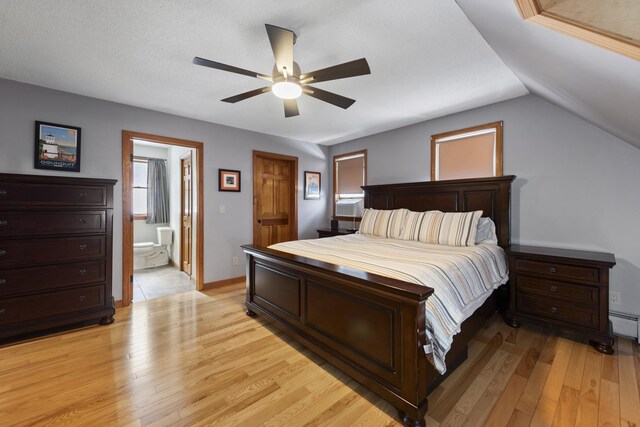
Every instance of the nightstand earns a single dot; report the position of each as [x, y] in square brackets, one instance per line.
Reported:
[327, 232]
[563, 288]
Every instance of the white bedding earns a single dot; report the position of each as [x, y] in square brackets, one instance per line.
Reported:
[462, 277]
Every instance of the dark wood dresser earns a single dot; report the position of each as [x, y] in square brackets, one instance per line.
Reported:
[564, 288]
[328, 232]
[55, 252]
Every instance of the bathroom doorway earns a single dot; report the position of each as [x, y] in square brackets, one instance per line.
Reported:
[158, 189]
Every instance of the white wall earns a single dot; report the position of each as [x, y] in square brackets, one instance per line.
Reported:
[102, 123]
[143, 232]
[577, 186]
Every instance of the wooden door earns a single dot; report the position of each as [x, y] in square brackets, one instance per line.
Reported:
[187, 209]
[275, 210]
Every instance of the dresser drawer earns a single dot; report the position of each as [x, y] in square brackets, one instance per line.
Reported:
[42, 194]
[26, 252]
[35, 279]
[555, 290]
[557, 311]
[16, 223]
[40, 306]
[558, 270]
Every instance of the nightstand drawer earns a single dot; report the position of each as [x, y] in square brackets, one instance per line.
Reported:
[558, 270]
[555, 290]
[557, 311]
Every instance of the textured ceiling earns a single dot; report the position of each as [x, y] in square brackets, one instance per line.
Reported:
[600, 86]
[427, 59]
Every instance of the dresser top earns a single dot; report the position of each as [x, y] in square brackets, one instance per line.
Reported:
[602, 258]
[54, 179]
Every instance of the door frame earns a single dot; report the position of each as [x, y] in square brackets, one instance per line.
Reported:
[180, 261]
[293, 190]
[127, 207]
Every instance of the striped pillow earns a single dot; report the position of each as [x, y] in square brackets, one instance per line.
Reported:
[383, 223]
[443, 228]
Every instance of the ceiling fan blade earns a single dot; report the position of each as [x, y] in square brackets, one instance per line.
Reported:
[290, 107]
[281, 41]
[230, 68]
[243, 96]
[330, 97]
[355, 68]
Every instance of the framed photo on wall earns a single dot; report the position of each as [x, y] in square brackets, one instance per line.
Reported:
[312, 185]
[228, 180]
[57, 147]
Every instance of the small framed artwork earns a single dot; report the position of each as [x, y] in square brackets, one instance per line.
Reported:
[311, 185]
[57, 147]
[228, 180]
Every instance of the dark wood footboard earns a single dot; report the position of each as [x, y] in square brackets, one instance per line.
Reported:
[371, 327]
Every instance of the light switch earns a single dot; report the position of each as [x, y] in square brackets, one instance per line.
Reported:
[221, 209]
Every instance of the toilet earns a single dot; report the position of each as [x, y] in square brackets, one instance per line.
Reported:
[149, 254]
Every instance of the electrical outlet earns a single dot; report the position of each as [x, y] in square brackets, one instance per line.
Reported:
[234, 260]
[614, 298]
[221, 209]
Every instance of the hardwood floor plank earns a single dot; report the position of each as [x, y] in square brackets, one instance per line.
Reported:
[196, 359]
[590, 390]
[629, 408]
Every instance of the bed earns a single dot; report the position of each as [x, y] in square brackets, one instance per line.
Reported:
[295, 293]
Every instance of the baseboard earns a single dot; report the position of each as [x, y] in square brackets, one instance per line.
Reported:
[118, 303]
[225, 282]
[174, 263]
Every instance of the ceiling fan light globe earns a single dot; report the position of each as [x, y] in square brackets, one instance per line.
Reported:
[286, 90]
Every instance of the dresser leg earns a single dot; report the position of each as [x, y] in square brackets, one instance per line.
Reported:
[107, 320]
[251, 313]
[514, 323]
[407, 421]
[606, 348]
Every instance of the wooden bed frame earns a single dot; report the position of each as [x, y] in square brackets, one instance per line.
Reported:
[373, 327]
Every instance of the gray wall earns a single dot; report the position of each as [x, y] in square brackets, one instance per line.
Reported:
[577, 185]
[102, 123]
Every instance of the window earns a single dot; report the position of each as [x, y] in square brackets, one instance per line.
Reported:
[140, 166]
[349, 175]
[467, 153]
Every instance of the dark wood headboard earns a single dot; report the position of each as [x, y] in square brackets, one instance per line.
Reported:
[491, 195]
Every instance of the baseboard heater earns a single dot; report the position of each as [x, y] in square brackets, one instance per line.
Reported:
[625, 325]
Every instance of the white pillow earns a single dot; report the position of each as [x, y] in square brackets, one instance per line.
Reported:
[486, 231]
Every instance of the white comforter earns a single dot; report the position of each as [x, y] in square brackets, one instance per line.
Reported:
[462, 277]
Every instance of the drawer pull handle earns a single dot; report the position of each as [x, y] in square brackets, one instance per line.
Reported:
[3, 253]
[552, 270]
[83, 220]
[3, 223]
[83, 194]
[82, 297]
[554, 310]
[3, 281]
[83, 247]
[2, 310]
[554, 288]
[83, 272]
[3, 192]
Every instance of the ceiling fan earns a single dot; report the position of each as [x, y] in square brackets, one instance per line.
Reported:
[287, 81]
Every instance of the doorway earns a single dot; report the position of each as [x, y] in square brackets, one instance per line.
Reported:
[195, 207]
[275, 208]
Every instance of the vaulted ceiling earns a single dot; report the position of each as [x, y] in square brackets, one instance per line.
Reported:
[428, 59]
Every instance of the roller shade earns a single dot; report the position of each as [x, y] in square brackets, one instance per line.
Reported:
[350, 175]
[470, 157]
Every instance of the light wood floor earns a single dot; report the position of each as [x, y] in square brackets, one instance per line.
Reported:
[196, 359]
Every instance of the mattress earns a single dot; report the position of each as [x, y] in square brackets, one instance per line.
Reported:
[462, 277]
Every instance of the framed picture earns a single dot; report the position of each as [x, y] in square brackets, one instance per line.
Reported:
[311, 185]
[57, 147]
[228, 180]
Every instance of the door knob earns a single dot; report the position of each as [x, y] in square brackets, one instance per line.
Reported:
[259, 221]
